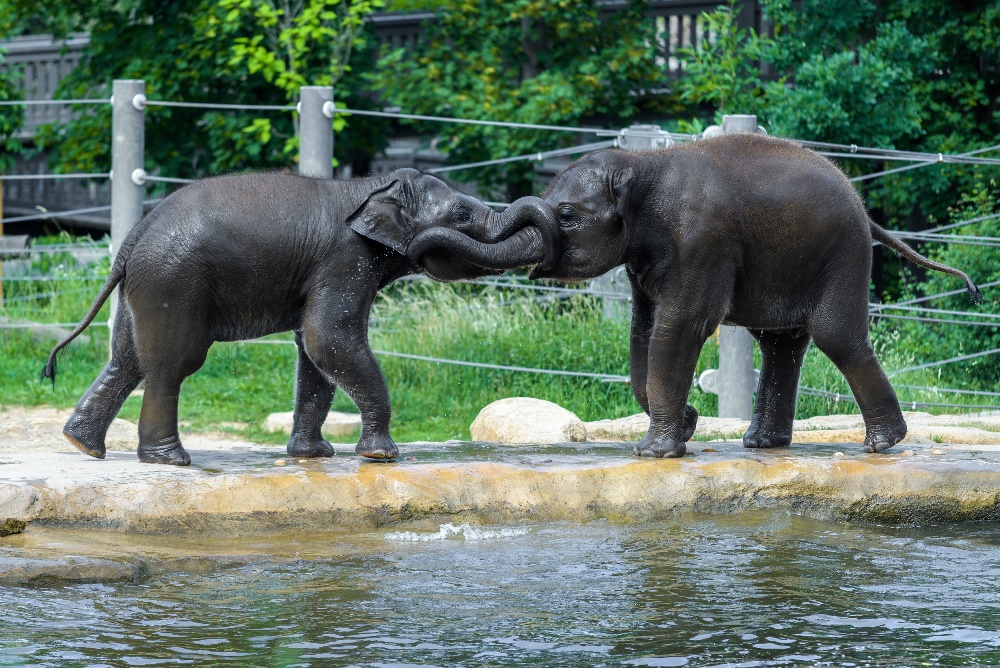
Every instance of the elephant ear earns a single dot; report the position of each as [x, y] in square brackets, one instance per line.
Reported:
[619, 181]
[382, 216]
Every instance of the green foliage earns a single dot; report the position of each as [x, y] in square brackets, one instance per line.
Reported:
[723, 71]
[298, 44]
[935, 342]
[867, 96]
[11, 117]
[182, 50]
[526, 61]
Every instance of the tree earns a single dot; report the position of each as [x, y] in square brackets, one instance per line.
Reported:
[723, 71]
[528, 61]
[183, 50]
[11, 117]
[918, 75]
[300, 43]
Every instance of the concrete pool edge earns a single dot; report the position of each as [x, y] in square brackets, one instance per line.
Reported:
[236, 488]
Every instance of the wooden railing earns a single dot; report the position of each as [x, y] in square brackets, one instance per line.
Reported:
[43, 62]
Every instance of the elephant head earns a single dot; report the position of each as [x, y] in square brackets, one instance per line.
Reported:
[588, 201]
[450, 235]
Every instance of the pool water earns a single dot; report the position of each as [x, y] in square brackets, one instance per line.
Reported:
[756, 589]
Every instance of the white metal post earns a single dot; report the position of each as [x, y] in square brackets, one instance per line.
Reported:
[128, 145]
[316, 131]
[736, 380]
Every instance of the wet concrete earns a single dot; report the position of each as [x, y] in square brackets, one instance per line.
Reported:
[236, 489]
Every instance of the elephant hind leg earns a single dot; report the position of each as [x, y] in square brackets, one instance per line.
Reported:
[782, 355]
[844, 339]
[313, 397]
[88, 426]
[170, 350]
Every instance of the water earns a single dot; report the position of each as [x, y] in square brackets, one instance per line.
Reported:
[758, 589]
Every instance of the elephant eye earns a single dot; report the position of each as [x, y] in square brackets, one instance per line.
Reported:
[567, 211]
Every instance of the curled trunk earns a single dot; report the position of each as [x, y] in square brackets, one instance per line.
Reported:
[506, 244]
[522, 248]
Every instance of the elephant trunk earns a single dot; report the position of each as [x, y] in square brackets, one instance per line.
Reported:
[522, 248]
[506, 246]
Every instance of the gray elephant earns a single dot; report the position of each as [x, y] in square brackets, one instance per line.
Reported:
[239, 257]
[738, 230]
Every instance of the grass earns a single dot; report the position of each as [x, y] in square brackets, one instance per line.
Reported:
[241, 383]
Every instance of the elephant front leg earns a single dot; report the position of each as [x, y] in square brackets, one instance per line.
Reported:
[774, 411]
[642, 330]
[673, 356]
[343, 354]
[313, 397]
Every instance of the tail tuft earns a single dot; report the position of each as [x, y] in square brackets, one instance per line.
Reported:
[50, 371]
[975, 293]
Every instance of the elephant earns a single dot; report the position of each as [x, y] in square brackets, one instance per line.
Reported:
[240, 257]
[743, 230]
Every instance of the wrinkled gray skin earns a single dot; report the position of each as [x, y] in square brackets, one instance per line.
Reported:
[239, 257]
[739, 230]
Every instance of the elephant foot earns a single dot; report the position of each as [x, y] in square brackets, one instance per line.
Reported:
[168, 451]
[305, 448]
[690, 423]
[84, 442]
[882, 438]
[377, 447]
[658, 447]
[764, 438]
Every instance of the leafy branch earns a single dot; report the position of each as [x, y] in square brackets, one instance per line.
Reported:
[722, 70]
[297, 43]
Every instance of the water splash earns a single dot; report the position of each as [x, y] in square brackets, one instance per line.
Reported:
[463, 532]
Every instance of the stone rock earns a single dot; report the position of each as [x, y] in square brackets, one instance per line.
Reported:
[631, 428]
[850, 428]
[23, 570]
[336, 424]
[715, 428]
[123, 436]
[524, 420]
[11, 526]
[634, 427]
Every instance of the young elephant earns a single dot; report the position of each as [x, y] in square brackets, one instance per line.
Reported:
[739, 230]
[239, 257]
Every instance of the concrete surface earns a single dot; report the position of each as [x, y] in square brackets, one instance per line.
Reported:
[236, 488]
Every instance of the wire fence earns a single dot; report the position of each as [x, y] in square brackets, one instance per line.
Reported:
[847, 151]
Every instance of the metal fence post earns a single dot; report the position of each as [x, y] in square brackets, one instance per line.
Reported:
[635, 138]
[128, 145]
[736, 381]
[316, 131]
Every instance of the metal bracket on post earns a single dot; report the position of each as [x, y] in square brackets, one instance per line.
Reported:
[316, 131]
[128, 146]
[634, 138]
[639, 138]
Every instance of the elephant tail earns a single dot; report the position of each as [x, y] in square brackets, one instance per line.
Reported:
[886, 239]
[114, 278]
